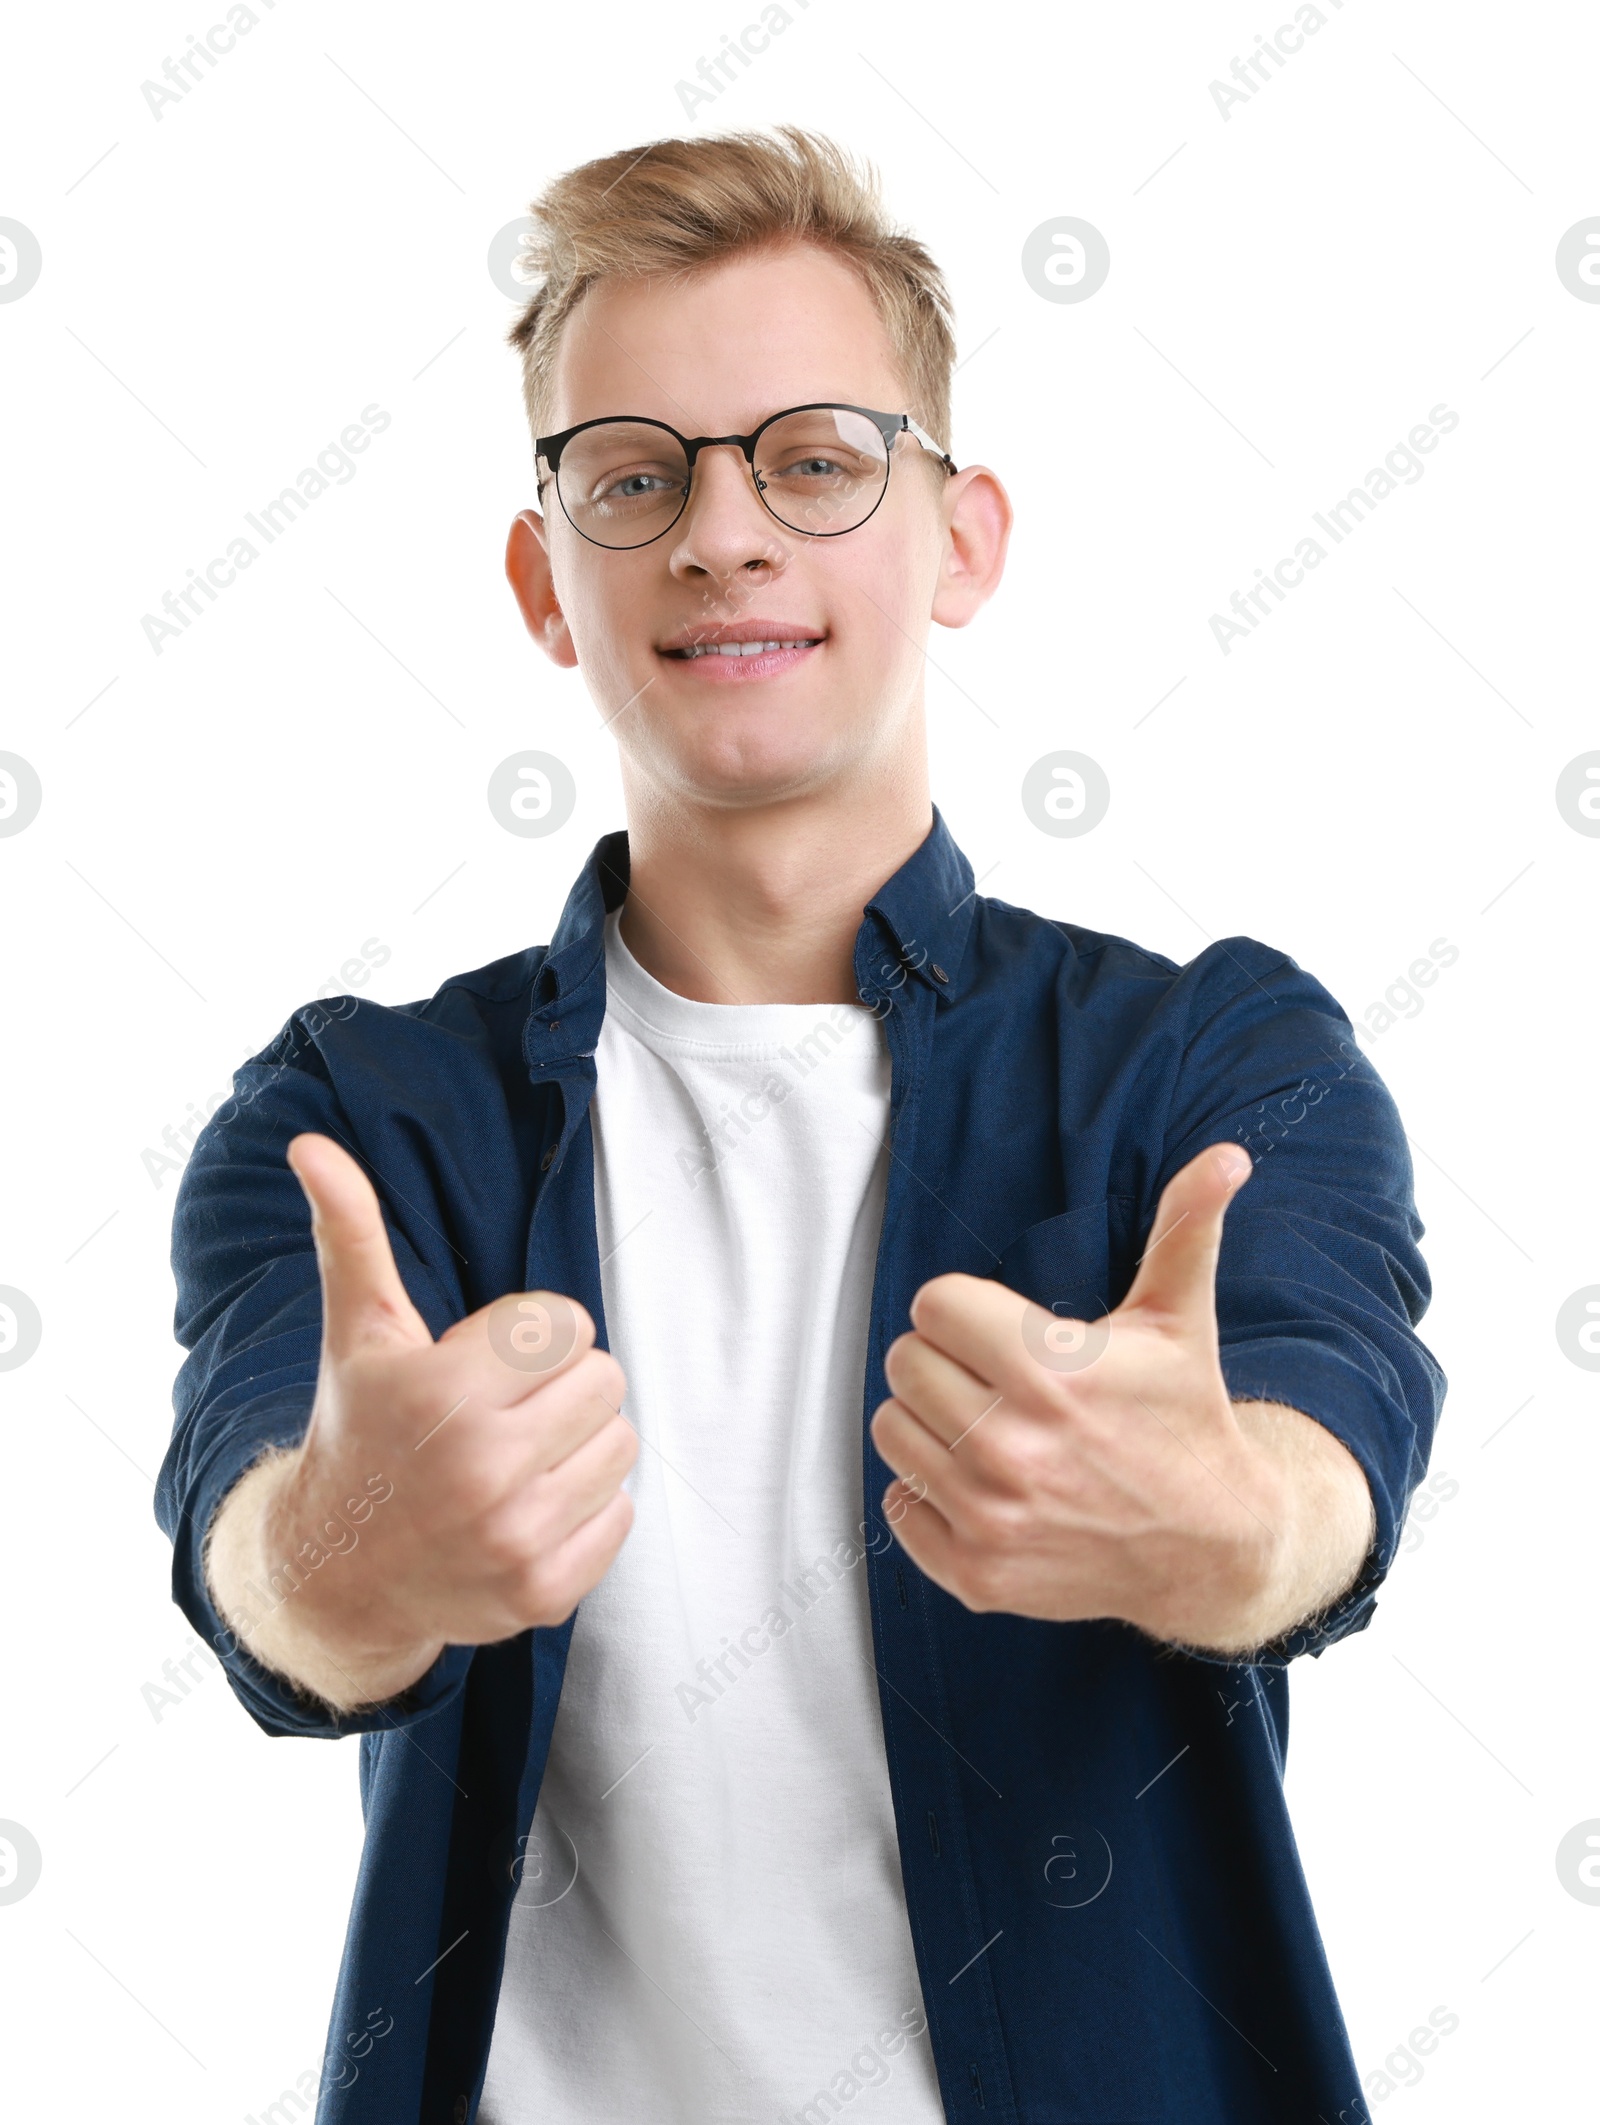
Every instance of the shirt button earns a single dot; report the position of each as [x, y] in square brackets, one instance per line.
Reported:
[459, 2110]
[555, 1025]
[938, 972]
[548, 1160]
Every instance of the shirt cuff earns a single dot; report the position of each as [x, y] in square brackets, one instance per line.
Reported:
[1344, 1398]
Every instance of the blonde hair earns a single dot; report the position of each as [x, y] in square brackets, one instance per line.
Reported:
[676, 205]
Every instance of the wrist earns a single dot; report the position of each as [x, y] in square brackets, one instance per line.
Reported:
[1233, 1605]
[1308, 1532]
[349, 1640]
[1232, 1582]
[283, 1591]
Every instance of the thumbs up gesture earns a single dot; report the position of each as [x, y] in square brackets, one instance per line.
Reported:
[445, 1493]
[1068, 1470]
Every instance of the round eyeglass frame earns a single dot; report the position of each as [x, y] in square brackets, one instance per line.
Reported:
[888, 425]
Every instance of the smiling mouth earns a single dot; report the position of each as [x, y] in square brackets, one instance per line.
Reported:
[742, 649]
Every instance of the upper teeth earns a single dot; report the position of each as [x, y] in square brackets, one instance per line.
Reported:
[734, 649]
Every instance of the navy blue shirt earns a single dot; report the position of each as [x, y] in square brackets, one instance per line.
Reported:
[1109, 1915]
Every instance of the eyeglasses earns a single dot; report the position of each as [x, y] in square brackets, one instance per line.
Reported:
[821, 470]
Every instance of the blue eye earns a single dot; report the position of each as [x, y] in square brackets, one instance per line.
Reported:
[634, 484]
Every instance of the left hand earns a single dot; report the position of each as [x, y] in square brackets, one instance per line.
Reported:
[1068, 1470]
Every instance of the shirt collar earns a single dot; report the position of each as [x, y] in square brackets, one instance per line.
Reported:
[918, 921]
[927, 909]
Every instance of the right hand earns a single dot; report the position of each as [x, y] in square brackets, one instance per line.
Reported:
[493, 1460]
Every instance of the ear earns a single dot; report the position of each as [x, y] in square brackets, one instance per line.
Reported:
[528, 573]
[977, 516]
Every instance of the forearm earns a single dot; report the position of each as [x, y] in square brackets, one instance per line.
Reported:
[1321, 1529]
[277, 1601]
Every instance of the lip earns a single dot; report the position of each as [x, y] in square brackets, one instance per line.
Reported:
[798, 643]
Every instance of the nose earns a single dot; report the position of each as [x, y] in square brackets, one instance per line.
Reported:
[726, 530]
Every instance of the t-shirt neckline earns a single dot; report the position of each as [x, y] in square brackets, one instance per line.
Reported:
[649, 1006]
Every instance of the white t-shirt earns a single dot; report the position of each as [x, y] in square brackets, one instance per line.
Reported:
[711, 1923]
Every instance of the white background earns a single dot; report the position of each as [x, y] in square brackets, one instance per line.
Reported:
[304, 234]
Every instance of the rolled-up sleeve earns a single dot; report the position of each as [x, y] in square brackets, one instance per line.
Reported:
[249, 1314]
[1320, 1281]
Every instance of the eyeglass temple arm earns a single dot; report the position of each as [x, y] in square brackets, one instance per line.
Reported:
[909, 427]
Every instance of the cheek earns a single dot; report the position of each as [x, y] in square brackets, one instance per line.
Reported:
[605, 600]
[883, 600]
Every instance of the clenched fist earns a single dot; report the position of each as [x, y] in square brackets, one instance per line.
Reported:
[1075, 1469]
[445, 1493]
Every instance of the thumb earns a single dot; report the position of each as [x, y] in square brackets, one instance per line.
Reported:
[365, 1306]
[1177, 1276]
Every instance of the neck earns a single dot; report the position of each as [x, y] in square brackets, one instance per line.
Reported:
[763, 904]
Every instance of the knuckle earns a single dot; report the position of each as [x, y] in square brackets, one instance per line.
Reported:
[540, 1593]
[607, 1377]
[1024, 1458]
[980, 1585]
[502, 1548]
[624, 1526]
[622, 1443]
[506, 1538]
[896, 1358]
[478, 1480]
[1016, 1441]
[1000, 1520]
[985, 1452]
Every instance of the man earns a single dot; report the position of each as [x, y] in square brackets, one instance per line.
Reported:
[926, 1744]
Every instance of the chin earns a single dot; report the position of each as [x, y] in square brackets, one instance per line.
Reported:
[752, 770]
[749, 782]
